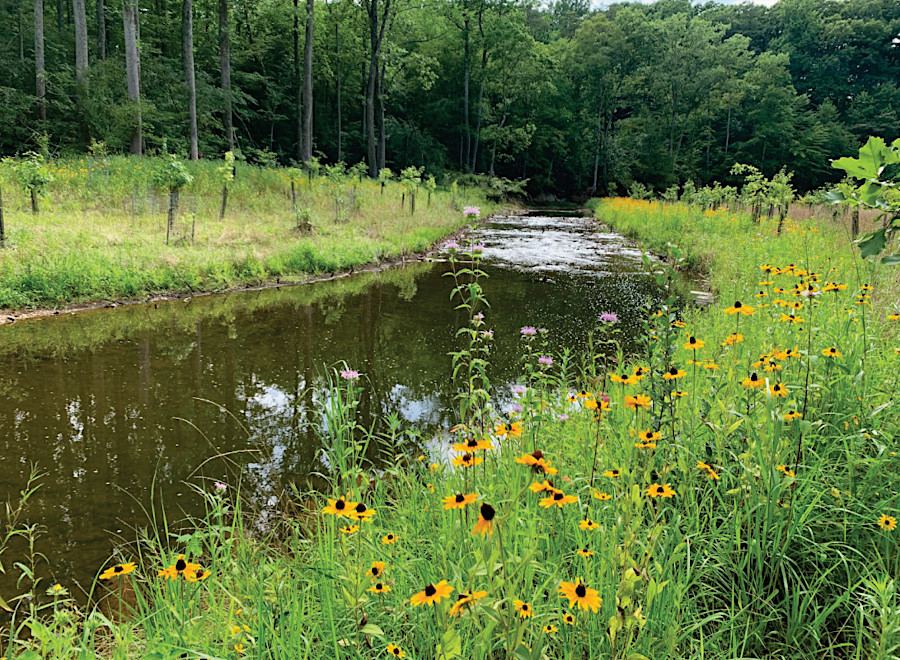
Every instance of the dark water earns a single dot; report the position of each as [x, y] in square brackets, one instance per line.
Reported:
[109, 402]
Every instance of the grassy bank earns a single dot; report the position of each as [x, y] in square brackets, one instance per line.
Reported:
[101, 232]
[734, 496]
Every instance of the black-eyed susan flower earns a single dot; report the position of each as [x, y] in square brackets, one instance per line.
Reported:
[524, 609]
[778, 390]
[832, 352]
[693, 344]
[888, 523]
[395, 651]
[550, 629]
[732, 339]
[639, 401]
[196, 575]
[678, 394]
[362, 513]
[656, 490]
[645, 445]
[485, 524]
[118, 571]
[603, 497]
[792, 415]
[465, 600]
[674, 373]
[615, 473]
[377, 569]
[649, 435]
[740, 308]
[600, 406]
[473, 445]
[579, 594]
[588, 525]
[467, 460]
[559, 499]
[624, 379]
[893, 317]
[753, 380]
[537, 462]
[785, 470]
[389, 539]
[677, 324]
[349, 529]
[542, 486]
[585, 552]
[379, 588]
[584, 394]
[339, 507]
[568, 619]
[504, 430]
[710, 472]
[459, 501]
[431, 594]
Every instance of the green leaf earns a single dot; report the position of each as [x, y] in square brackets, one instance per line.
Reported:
[835, 197]
[450, 646]
[372, 629]
[891, 260]
[4, 606]
[873, 244]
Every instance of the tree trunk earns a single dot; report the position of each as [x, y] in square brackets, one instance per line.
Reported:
[473, 167]
[306, 156]
[225, 201]
[337, 60]
[81, 40]
[2, 224]
[187, 42]
[59, 15]
[39, 70]
[225, 63]
[34, 202]
[382, 129]
[597, 147]
[173, 207]
[854, 224]
[296, 76]
[371, 138]
[133, 70]
[101, 29]
[21, 35]
[468, 133]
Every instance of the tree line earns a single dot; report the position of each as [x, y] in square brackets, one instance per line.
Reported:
[576, 100]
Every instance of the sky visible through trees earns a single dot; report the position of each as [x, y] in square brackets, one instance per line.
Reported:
[577, 99]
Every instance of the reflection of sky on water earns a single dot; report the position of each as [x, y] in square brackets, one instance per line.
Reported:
[123, 406]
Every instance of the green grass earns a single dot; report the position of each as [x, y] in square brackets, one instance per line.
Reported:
[95, 240]
[779, 556]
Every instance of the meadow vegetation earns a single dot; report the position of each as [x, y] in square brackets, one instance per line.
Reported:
[102, 227]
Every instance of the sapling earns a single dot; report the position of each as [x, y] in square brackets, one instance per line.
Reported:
[384, 176]
[171, 175]
[33, 174]
[226, 172]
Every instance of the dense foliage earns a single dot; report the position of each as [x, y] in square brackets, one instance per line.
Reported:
[571, 98]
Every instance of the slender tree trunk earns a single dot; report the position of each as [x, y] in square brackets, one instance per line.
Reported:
[728, 128]
[468, 132]
[187, 42]
[371, 138]
[101, 29]
[81, 40]
[854, 223]
[133, 71]
[2, 224]
[473, 167]
[40, 73]
[59, 15]
[225, 63]
[382, 128]
[337, 61]
[597, 147]
[306, 156]
[21, 35]
[297, 78]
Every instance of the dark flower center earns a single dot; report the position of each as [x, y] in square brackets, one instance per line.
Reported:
[754, 376]
[390, 537]
[525, 607]
[737, 304]
[580, 591]
[396, 651]
[692, 340]
[472, 442]
[487, 512]
[340, 505]
[460, 497]
[648, 435]
[430, 590]
[360, 508]
[467, 458]
[118, 569]
[673, 371]
[180, 565]
[557, 496]
[375, 570]
[379, 586]
[538, 454]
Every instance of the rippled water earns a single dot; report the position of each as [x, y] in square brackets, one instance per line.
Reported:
[112, 403]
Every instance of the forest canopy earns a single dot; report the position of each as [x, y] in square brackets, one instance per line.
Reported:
[575, 99]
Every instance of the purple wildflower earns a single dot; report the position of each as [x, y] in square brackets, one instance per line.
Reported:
[517, 408]
[349, 374]
[529, 331]
[562, 417]
[519, 389]
[609, 317]
[220, 486]
[545, 359]
[451, 245]
[471, 210]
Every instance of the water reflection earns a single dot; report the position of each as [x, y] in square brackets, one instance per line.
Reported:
[112, 403]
